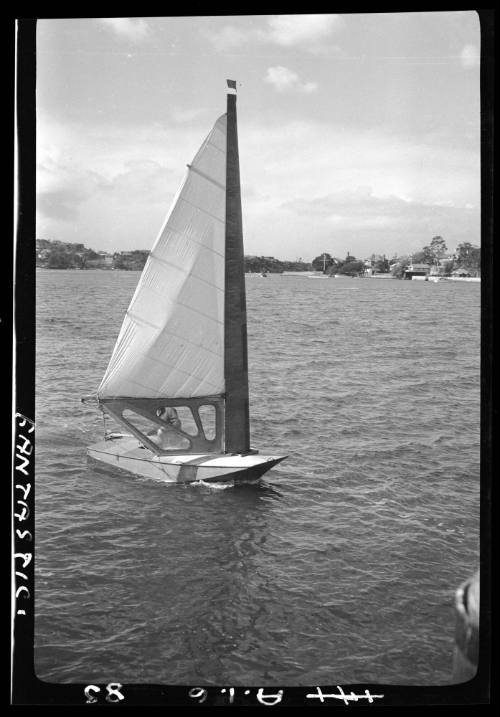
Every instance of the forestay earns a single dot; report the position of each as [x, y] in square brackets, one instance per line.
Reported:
[171, 343]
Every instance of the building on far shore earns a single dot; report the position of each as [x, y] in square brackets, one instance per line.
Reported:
[376, 265]
[417, 270]
[463, 272]
[102, 261]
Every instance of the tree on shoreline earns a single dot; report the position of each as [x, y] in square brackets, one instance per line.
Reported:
[60, 259]
[323, 262]
[438, 249]
[353, 267]
[399, 266]
[468, 258]
[55, 254]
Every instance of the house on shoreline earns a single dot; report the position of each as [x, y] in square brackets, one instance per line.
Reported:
[102, 261]
[422, 270]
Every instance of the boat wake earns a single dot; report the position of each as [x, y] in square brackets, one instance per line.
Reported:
[222, 485]
[213, 485]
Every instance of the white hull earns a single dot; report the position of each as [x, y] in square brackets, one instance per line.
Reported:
[126, 453]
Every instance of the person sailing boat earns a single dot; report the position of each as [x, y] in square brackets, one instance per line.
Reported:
[163, 436]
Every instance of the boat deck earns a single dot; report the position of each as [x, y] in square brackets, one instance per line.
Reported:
[127, 453]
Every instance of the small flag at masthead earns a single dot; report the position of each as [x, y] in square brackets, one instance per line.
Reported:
[231, 84]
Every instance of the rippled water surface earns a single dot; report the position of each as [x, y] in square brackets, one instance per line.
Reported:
[339, 567]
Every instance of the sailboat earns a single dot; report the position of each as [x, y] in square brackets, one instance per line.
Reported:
[323, 275]
[177, 380]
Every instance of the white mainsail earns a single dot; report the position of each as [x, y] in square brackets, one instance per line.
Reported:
[171, 343]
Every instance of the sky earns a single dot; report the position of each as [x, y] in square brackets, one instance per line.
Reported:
[357, 133]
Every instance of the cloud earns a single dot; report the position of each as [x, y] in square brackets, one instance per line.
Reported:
[285, 80]
[144, 180]
[63, 203]
[470, 56]
[181, 114]
[60, 205]
[288, 30]
[365, 220]
[109, 186]
[131, 29]
[322, 185]
[230, 37]
[63, 188]
[309, 32]
[300, 157]
[359, 206]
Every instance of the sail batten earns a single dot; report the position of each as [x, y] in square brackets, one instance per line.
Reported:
[205, 176]
[184, 271]
[142, 320]
[201, 209]
[191, 239]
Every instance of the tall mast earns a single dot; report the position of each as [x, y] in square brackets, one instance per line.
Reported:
[237, 420]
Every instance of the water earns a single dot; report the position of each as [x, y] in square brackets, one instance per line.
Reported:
[339, 567]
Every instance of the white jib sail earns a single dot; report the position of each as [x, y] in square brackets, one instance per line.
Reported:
[171, 343]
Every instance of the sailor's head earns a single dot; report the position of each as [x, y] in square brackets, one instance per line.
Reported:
[162, 412]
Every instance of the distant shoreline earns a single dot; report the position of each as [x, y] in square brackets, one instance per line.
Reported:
[291, 274]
